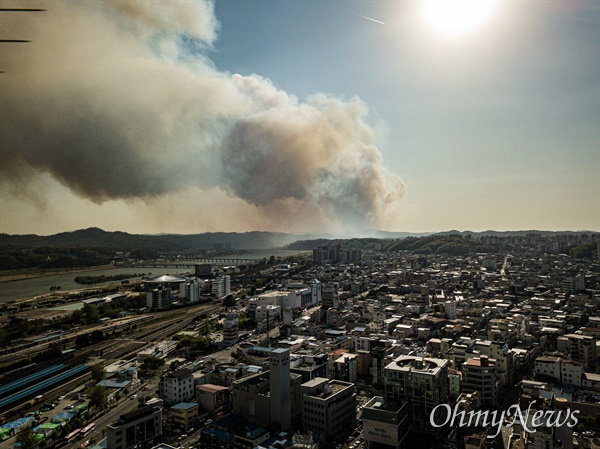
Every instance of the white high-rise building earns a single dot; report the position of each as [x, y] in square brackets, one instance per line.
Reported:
[188, 292]
[230, 328]
[221, 286]
[279, 382]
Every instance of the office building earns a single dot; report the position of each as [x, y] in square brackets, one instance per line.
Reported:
[328, 408]
[385, 423]
[139, 428]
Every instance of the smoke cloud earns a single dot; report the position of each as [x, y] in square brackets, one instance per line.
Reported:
[117, 100]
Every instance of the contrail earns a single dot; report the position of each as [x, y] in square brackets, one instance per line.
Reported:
[373, 20]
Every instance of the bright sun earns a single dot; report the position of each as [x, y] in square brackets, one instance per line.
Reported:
[452, 18]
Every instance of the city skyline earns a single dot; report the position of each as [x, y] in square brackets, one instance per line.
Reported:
[300, 117]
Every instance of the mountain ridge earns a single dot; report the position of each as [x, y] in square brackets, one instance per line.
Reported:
[96, 237]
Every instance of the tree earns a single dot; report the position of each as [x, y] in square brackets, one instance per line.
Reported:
[152, 363]
[97, 397]
[98, 372]
[91, 313]
[229, 301]
[26, 438]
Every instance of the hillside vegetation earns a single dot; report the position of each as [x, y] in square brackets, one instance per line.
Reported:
[437, 244]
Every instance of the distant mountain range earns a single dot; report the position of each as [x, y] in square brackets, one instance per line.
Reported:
[95, 237]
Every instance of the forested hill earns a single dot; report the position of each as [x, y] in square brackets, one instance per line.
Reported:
[438, 244]
[366, 243]
[94, 237]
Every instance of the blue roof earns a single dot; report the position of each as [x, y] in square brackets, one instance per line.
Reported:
[17, 423]
[64, 416]
[19, 383]
[61, 378]
[185, 405]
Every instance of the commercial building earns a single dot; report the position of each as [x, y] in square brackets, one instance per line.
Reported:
[252, 398]
[213, 398]
[328, 407]
[139, 428]
[385, 423]
[185, 414]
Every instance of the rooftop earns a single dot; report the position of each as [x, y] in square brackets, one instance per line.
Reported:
[184, 405]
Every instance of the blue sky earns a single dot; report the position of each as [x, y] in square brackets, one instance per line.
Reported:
[299, 116]
[498, 129]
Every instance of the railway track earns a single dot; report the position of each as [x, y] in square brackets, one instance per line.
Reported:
[113, 349]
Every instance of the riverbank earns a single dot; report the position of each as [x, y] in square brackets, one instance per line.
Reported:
[20, 275]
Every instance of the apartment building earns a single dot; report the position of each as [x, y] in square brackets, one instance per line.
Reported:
[177, 386]
[420, 381]
[480, 374]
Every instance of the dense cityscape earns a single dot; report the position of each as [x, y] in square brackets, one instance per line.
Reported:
[299, 224]
[445, 341]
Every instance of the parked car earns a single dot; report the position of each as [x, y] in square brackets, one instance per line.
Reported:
[60, 398]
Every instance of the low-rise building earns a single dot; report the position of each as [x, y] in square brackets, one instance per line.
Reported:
[213, 398]
[385, 423]
[177, 386]
[185, 414]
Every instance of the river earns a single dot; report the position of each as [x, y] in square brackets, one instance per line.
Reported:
[28, 288]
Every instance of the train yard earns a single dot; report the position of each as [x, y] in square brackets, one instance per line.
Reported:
[22, 389]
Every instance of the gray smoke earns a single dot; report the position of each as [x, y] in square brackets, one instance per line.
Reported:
[108, 100]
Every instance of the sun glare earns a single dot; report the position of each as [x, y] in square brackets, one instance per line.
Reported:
[451, 18]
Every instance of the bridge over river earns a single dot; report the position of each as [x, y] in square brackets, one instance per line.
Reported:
[183, 263]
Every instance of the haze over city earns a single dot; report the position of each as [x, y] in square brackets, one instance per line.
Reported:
[187, 117]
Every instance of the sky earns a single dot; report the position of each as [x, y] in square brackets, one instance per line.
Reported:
[300, 116]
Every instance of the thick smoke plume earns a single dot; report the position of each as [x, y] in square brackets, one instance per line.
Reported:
[117, 100]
